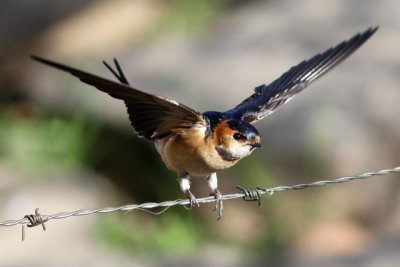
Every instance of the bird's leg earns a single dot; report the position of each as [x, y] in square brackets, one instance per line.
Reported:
[184, 183]
[213, 184]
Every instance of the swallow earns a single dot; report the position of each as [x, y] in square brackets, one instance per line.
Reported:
[192, 143]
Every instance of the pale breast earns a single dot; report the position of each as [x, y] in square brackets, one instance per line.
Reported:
[191, 152]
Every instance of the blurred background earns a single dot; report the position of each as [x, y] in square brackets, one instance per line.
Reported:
[66, 146]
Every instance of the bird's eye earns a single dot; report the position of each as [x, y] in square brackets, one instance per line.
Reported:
[238, 136]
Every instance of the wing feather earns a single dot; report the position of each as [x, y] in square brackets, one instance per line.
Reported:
[151, 116]
[268, 98]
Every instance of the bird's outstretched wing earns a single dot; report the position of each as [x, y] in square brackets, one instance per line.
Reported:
[268, 98]
[151, 116]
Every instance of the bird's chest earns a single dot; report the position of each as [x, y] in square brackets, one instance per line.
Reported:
[194, 154]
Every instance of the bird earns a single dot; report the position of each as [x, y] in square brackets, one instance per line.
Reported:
[200, 144]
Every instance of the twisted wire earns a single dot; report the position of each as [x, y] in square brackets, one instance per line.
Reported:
[246, 194]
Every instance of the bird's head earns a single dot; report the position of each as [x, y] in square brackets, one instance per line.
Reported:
[235, 139]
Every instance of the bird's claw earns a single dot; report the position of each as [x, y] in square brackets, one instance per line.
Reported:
[192, 199]
[218, 203]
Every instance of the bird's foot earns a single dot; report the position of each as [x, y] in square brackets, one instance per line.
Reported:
[218, 202]
[192, 199]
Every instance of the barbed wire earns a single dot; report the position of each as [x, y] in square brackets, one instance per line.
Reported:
[246, 194]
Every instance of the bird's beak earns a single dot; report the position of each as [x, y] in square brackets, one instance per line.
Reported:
[256, 145]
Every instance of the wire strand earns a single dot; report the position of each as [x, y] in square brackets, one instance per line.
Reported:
[246, 194]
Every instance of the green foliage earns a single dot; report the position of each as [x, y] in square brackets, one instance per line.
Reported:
[188, 17]
[38, 144]
[167, 234]
[254, 170]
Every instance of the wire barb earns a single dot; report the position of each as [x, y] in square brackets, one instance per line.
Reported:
[251, 194]
[34, 220]
[246, 194]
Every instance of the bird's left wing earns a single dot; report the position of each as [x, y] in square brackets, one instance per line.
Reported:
[151, 116]
[268, 98]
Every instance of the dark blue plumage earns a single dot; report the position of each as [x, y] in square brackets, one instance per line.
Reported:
[243, 127]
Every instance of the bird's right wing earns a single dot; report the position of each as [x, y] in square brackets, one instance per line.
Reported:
[151, 116]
